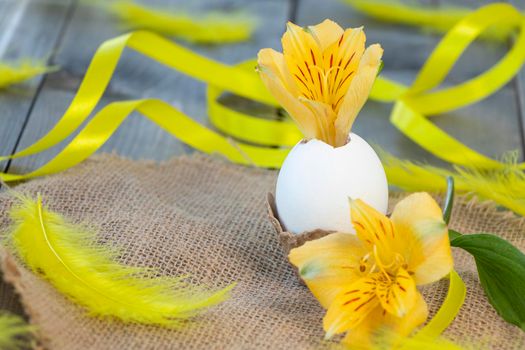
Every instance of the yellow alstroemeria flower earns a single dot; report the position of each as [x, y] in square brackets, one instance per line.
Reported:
[322, 79]
[368, 281]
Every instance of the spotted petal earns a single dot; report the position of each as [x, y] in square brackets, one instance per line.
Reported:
[374, 229]
[274, 76]
[397, 294]
[358, 91]
[341, 63]
[379, 322]
[328, 264]
[300, 45]
[323, 114]
[351, 306]
[424, 243]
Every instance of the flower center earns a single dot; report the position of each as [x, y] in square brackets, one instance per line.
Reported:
[325, 76]
[372, 263]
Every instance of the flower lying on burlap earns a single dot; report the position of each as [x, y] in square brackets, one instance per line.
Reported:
[368, 282]
[322, 79]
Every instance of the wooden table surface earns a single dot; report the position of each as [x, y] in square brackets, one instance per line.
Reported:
[67, 33]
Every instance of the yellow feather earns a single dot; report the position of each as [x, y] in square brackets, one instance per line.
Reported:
[505, 186]
[14, 332]
[211, 28]
[437, 19]
[68, 256]
[15, 73]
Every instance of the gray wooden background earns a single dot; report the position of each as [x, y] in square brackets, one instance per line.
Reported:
[67, 33]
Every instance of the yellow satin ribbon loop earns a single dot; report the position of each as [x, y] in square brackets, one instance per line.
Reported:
[440, 19]
[448, 310]
[106, 122]
[241, 126]
[103, 65]
[449, 50]
[409, 112]
[436, 141]
[261, 131]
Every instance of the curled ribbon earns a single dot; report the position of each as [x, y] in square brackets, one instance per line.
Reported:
[437, 19]
[412, 104]
[448, 310]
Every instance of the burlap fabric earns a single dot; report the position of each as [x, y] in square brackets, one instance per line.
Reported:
[207, 217]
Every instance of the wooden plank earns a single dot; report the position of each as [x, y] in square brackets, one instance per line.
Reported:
[27, 29]
[406, 49]
[138, 77]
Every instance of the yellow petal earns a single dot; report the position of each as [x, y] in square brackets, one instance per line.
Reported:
[269, 60]
[374, 229]
[326, 33]
[300, 45]
[363, 335]
[382, 330]
[323, 114]
[418, 219]
[397, 294]
[299, 112]
[358, 92]
[343, 58]
[328, 264]
[351, 306]
[304, 59]
[415, 317]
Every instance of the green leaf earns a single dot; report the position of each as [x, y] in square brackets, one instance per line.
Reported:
[449, 200]
[453, 235]
[501, 269]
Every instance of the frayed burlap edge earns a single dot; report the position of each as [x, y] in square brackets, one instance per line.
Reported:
[11, 275]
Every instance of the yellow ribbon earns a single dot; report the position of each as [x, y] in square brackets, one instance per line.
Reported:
[439, 19]
[408, 115]
[448, 310]
[106, 121]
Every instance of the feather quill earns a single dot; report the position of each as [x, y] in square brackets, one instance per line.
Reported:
[210, 28]
[13, 73]
[505, 186]
[68, 256]
[14, 332]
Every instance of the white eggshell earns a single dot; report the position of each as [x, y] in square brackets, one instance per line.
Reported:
[316, 180]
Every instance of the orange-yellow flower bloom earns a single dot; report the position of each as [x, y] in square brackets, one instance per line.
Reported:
[322, 78]
[368, 281]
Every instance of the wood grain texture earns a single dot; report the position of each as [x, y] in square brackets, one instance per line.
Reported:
[490, 126]
[28, 30]
[139, 77]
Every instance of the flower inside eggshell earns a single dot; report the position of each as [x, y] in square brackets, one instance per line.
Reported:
[322, 78]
